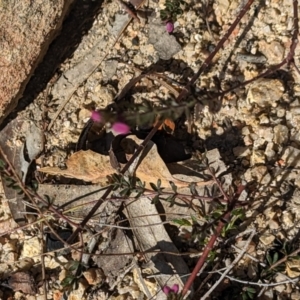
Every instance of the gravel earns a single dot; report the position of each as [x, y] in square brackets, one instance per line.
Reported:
[255, 128]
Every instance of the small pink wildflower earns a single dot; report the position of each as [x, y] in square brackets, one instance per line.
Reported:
[174, 289]
[169, 27]
[96, 116]
[120, 128]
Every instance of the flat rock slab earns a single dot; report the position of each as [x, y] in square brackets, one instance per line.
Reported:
[27, 28]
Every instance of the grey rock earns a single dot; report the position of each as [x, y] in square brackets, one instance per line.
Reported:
[269, 151]
[241, 151]
[109, 69]
[265, 132]
[281, 134]
[164, 43]
[291, 156]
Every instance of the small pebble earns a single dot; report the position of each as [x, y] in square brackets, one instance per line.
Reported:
[267, 239]
[281, 134]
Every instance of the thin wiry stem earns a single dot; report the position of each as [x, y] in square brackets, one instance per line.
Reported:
[228, 269]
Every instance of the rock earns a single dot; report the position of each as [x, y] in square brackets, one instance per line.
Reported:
[265, 133]
[79, 292]
[109, 69]
[257, 157]
[26, 31]
[32, 248]
[287, 219]
[296, 195]
[164, 43]
[265, 92]
[264, 120]
[269, 151]
[241, 151]
[138, 60]
[293, 267]
[94, 276]
[267, 239]
[281, 134]
[274, 51]
[258, 173]
[291, 157]
[273, 225]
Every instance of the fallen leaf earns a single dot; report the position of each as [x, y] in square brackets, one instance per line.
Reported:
[22, 281]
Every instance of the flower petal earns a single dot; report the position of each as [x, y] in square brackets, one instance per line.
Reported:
[96, 116]
[175, 288]
[120, 128]
[166, 289]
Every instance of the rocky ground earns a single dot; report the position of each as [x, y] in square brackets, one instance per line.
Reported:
[250, 135]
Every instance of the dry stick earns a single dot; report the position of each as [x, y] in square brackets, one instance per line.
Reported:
[211, 242]
[294, 280]
[208, 60]
[110, 188]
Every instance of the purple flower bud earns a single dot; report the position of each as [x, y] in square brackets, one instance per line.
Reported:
[96, 116]
[120, 128]
[169, 27]
[174, 289]
[166, 289]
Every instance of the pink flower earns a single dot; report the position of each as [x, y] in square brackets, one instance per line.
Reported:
[120, 128]
[174, 289]
[169, 27]
[96, 116]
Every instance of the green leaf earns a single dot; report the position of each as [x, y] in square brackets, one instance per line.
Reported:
[182, 222]
[173, 186]
[74, 265]
[171, 199]
[48, 199]
[275, 257]
[35, 185]
[16, 187]
[251, 290]
[67, 281]
[9, 179]
[155, 200]
[154, 187]
[192, 187]
[2, 164]
[269, 259]
[138, 195]
[125, 192]
[158, 183]
[294, 257]
[140, 183]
